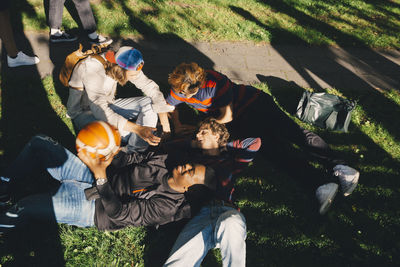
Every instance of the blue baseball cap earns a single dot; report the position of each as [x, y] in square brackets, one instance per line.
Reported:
[129, 58]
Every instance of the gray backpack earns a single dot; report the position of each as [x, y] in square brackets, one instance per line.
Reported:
[325, 110]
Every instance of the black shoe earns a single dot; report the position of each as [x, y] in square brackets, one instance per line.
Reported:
[4, 194]
[4, 190]
[100, 40]
[64, 37]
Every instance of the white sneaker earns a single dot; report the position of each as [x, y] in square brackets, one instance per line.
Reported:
[325, 195]
[348, 178]
[22, 60]
[100, 40]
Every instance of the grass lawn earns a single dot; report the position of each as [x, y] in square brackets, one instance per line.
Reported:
[282, 218]
[284, 227]
[371, 23]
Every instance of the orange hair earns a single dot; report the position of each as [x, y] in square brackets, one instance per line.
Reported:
[187, 77]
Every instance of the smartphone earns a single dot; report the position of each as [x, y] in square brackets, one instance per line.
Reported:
[159, 131]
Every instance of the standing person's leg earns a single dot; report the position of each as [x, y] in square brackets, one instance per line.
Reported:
[88, 22]
[6, 32]
[56, 8]
[15, 57]
[140, 110]
[86, 15]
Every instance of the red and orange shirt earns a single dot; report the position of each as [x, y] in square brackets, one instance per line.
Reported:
[218, 91]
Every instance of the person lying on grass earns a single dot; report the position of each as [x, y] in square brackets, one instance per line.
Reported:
[248, 111]
[211, 148]
[134, 192]
[217, 223]
[93, 86]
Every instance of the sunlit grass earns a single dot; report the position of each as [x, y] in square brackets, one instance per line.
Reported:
[278, 212]
[56, 103]
[319, 22]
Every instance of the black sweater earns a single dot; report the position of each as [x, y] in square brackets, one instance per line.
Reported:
[137, 193]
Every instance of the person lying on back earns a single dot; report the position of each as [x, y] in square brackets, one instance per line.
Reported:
[211, 148]
[139, 192]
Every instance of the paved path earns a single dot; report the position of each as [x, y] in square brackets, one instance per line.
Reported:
[315, 67]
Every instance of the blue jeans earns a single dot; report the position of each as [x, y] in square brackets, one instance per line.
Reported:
[214, 227]
[134, 108]
[68, 204]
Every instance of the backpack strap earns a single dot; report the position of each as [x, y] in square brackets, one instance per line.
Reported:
[95, 52]
[101, 59]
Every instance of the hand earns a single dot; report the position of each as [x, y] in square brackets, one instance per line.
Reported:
[97, 164]
[147, 134]
[185, 129]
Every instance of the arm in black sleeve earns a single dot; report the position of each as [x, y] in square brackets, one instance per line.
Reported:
[158, 209]
[123, 159]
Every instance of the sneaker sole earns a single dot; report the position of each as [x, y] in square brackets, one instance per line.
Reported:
[63, 41]
[352, 187]
[107, 42]
[327, 204]
[19, 65]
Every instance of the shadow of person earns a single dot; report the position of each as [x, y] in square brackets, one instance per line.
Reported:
[26, 106]
[159, 242]
[35, 243]
[27, 111]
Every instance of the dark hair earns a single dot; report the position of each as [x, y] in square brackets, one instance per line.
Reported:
[216, 128]
[210, 178]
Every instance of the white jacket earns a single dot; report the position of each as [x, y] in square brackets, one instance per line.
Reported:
[99, 92]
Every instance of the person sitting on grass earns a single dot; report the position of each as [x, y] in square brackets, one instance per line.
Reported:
[93, 86]
[248, 111]
[137, 192]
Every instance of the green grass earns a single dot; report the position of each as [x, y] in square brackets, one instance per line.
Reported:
[282, 218]
[370, 23]
[284, 228]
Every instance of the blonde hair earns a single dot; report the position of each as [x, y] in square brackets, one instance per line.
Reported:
[116, 72]
[187, 77]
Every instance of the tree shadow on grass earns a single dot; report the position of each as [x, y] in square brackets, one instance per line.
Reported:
[322, 64]
[357, 231]
[285, 229]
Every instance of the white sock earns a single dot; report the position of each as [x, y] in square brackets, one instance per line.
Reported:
[93, 35]
[56, 32]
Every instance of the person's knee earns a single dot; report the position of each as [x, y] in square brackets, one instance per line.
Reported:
[146, 101]
[41, 140]
[232, 222]
[150, 118]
